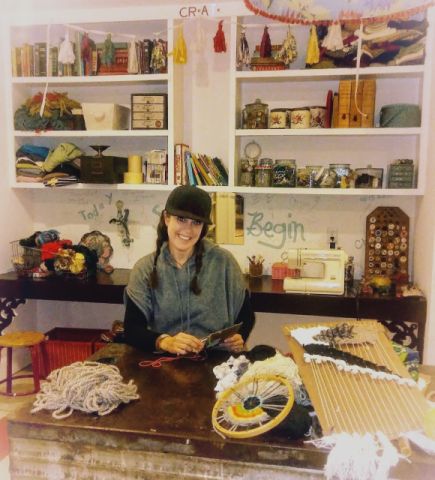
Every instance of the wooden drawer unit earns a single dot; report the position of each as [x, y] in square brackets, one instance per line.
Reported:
[149, 111]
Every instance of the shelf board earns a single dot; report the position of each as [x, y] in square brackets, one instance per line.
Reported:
[93, 133]
[330, 191]
[333, 73]
[382, 192]
[95, 79]
[95, 186]
[315, 132]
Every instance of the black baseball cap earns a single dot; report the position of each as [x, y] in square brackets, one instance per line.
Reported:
[190, 202]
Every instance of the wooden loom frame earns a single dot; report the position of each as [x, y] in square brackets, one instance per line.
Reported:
[356, 403]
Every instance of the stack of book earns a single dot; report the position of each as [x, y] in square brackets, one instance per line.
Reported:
[197, 169]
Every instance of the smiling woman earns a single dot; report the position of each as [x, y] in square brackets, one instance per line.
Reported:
[189, 287]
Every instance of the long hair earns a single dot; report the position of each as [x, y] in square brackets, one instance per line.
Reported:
[162, 236]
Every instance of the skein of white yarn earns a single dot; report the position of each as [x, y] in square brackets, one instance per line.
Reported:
[90, 387]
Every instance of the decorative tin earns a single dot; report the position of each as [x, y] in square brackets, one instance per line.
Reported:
[255, 115]
[278, 118]
[284, 173]
[401, 174]
[317, 117]
[300, 117]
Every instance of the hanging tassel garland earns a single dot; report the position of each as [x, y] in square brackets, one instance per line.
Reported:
[243, 56]
[333, 40]
[266, 44]
[180, 49]
[219, 39]
[66, 52]
[133, 64]
[313, 53]
[288, 51]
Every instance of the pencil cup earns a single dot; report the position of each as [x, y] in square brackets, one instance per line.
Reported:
[255, 269]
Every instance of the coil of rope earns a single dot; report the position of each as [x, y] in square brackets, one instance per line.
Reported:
[90, 387]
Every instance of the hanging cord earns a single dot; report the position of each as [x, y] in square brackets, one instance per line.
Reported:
[158, 362]
[44, 96]
[358, 66]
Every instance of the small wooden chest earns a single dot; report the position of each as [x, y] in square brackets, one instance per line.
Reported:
[149, 111]
[104, 169]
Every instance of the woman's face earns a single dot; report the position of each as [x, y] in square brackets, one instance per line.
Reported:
[183, 233]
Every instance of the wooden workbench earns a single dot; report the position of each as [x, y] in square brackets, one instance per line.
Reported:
[167, 434]
[404, 317]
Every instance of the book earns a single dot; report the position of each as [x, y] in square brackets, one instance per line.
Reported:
[355, 103]
[222, 170]
[199, 172]
[198, 180]
[188, 167]
[368, 103]
[180, 171]
[203, 169]
[344, 91]
[334, 117]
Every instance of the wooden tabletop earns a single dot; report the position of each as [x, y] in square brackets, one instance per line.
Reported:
[175, 409]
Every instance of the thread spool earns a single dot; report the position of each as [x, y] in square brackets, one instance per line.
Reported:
[135, 164]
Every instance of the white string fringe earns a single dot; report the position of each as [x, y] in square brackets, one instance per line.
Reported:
[358, 457]
[90, 387]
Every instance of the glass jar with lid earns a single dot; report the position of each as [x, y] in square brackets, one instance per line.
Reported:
[255, 115]
[342, 172]
[247, 177]
[263, 176]
[284, 173]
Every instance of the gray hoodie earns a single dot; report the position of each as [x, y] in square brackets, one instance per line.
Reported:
[172, 307]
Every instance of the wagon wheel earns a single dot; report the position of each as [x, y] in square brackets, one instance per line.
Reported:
[253, 406]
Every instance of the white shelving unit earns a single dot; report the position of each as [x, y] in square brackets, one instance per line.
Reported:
[299, 86]
[294, 87]
[99, 89]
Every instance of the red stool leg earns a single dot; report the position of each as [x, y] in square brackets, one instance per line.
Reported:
[35, 352]
[9, 371]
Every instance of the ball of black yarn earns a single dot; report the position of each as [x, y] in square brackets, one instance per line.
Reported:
[260, 352]
[296, 424]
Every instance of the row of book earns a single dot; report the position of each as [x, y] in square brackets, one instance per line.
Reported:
[197, 169]
[30, 60]
[354, 104]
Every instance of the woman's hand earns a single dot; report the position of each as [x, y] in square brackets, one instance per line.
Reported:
[234, 343]
[181, 343]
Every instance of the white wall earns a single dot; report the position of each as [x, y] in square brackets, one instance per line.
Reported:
[205, 129]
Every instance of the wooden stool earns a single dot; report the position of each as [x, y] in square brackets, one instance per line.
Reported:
[30, 340]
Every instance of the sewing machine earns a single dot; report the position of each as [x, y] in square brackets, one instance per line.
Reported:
[315, 271]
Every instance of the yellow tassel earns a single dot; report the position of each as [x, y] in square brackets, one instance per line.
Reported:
[313, 54]
[180, 49]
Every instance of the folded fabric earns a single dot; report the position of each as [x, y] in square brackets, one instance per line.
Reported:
[37, 150]
[64, 152]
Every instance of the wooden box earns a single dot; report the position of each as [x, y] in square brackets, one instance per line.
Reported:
[149, 111]
[104, 169]
[106, 116]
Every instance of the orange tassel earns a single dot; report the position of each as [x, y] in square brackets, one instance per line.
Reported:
[219, 39]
